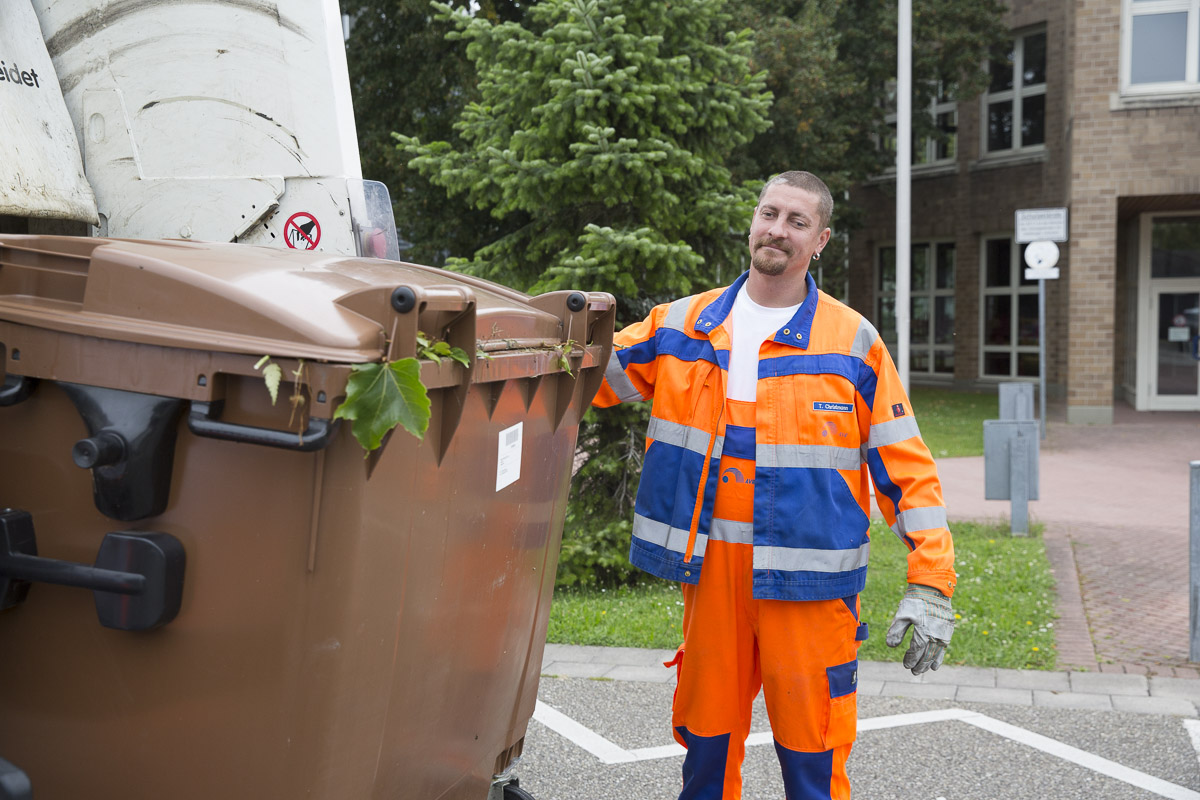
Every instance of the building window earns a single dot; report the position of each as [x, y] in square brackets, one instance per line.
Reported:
[1160, 46]
[1010, 313]
[930, 150]
[1015, 103]
[1175, 247]
[931, 309]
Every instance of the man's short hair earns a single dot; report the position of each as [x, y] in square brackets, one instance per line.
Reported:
[809, 183]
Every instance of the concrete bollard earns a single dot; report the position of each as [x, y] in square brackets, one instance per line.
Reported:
[1016, 400]
[1018, 482]
[1010, 466]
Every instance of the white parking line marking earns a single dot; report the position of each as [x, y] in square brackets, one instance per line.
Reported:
[666, 751]
[1192, 726]
[586, 738]
[609, 753]
[915, 718]
[1083, 758]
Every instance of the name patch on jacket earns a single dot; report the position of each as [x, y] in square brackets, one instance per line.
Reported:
[898, 410]
[844, 408]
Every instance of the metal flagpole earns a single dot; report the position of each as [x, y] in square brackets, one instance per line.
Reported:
[903, 187]
[1042, 354]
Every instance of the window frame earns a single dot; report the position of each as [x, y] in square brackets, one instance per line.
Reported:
[932, 292]
[1014, 291]
[1016, 95]
[940, 103]
[1191, 82]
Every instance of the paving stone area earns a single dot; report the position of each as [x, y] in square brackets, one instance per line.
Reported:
[1136, 604]
[1114, 501]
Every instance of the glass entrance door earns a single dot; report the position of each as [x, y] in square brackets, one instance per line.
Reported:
[1175, 379]
[1167, 307]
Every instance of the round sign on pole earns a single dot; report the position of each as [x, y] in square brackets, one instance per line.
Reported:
[302, 231]
[1041, 255]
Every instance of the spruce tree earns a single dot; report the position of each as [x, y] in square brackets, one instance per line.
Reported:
[604, 127]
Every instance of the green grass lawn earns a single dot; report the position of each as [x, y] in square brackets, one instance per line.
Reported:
[1004, 600]
[1005, 603]
[647, 615]
[952, 422]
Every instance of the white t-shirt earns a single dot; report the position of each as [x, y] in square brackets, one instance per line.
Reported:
[752, 325]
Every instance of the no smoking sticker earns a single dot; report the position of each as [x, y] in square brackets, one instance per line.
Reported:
[302, 231]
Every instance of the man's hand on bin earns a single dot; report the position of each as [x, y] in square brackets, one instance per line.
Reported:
[927, 611]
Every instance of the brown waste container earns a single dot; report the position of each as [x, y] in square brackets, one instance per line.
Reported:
[273, 614]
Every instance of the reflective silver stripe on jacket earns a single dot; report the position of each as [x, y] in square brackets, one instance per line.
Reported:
[795, 559]
[676, 314]
[863, 339]
[725, 530]
[683, 436]
[920, 519]
[663, 535]
[892, 431]
[807, 455]
[619, 382]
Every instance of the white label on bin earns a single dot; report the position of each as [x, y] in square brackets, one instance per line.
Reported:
[508, 459]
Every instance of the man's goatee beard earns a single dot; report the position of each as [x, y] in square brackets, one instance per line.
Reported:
[768, 266]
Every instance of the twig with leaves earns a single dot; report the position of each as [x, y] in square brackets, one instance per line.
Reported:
[382, 395]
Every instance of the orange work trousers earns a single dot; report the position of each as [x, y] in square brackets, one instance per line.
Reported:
[802, 654]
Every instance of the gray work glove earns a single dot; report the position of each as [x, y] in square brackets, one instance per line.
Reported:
[929, 613]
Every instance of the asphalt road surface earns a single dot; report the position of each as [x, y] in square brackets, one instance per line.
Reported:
[611, 739]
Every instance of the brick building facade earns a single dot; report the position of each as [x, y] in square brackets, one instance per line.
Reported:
[1096, 108]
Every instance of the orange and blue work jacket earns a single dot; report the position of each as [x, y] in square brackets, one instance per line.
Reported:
[829, 409]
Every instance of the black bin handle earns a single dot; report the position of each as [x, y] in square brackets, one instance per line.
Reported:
[204, 419]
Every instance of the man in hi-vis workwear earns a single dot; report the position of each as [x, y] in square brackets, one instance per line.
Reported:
[772, 401]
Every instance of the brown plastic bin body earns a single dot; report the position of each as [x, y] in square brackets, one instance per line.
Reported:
[350, 626]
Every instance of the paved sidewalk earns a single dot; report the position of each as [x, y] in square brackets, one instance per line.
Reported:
[1091, 691]
[1114, 500]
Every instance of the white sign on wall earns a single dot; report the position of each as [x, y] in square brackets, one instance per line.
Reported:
[1041, 225]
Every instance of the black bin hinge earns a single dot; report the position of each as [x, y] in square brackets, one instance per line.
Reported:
[137, 580]
[130, 448]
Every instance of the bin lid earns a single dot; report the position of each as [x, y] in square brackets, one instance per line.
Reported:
[229, 297]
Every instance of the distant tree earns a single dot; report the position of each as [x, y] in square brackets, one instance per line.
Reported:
[605, 127]
[406, 76]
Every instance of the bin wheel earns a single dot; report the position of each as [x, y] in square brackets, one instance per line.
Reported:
[514, 792]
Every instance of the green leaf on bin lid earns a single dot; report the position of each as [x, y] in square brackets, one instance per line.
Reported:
[564, 350]
[436, 351]
[273, 375]
[381, 396]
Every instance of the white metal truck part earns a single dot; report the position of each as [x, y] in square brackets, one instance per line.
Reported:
[41, 173]
[227, 121]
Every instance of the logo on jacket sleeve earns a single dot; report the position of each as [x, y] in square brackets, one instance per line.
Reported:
[842, 408]
[898, 410]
